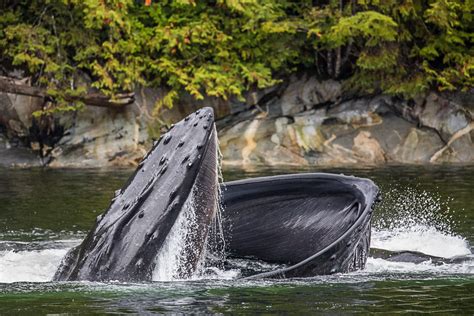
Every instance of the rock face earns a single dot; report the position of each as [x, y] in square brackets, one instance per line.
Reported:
[304, 121]
[16, 125]
[98, 137]
[313, 123]
[17, 156]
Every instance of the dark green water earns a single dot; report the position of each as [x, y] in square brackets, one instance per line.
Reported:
[43, 212]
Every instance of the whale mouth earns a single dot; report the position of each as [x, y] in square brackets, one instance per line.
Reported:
[313, 223]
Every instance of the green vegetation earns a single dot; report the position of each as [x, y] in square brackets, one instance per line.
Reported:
[223, 47]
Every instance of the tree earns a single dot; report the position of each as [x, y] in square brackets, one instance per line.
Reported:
[223, 47]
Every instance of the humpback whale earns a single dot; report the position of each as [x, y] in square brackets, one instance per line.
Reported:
[181, 168]
[314, 223]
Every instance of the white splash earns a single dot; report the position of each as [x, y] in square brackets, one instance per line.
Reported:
[215, 273]
[420, 238]
[427, 240]
[415, 220]
[170, 256]
[405, 207]
[30, 266]
[378, 265]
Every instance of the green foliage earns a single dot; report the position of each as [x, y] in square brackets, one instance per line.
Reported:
[398, 47]
[222, 48]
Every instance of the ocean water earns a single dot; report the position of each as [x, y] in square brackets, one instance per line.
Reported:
[43, 213]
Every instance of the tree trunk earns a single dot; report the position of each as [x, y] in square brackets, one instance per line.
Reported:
[330, 67]
[337, 70]
[8, 85]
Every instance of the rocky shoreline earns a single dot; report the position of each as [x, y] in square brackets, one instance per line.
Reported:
[303, 121]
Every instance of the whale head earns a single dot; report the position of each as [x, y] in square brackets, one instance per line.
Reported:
[180, 170]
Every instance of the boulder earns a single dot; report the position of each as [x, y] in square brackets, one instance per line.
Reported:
[98, 137]
[17, 156]
[306, 92]
[367, 149]
[443, 115]
[16, 113]
[418, 146]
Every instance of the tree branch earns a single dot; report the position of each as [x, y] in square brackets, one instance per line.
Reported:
[8, 85]
[460, 133]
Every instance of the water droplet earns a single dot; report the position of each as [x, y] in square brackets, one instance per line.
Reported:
[195, 124]
[186, 118]
[141, 215]
[205, 126]
[186, 158]
[333, 257]
[189, 165]
[163, 160]
[199, 146]
[181, 143]
[197, 112]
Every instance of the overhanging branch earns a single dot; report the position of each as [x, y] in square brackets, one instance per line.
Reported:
[8, 85]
